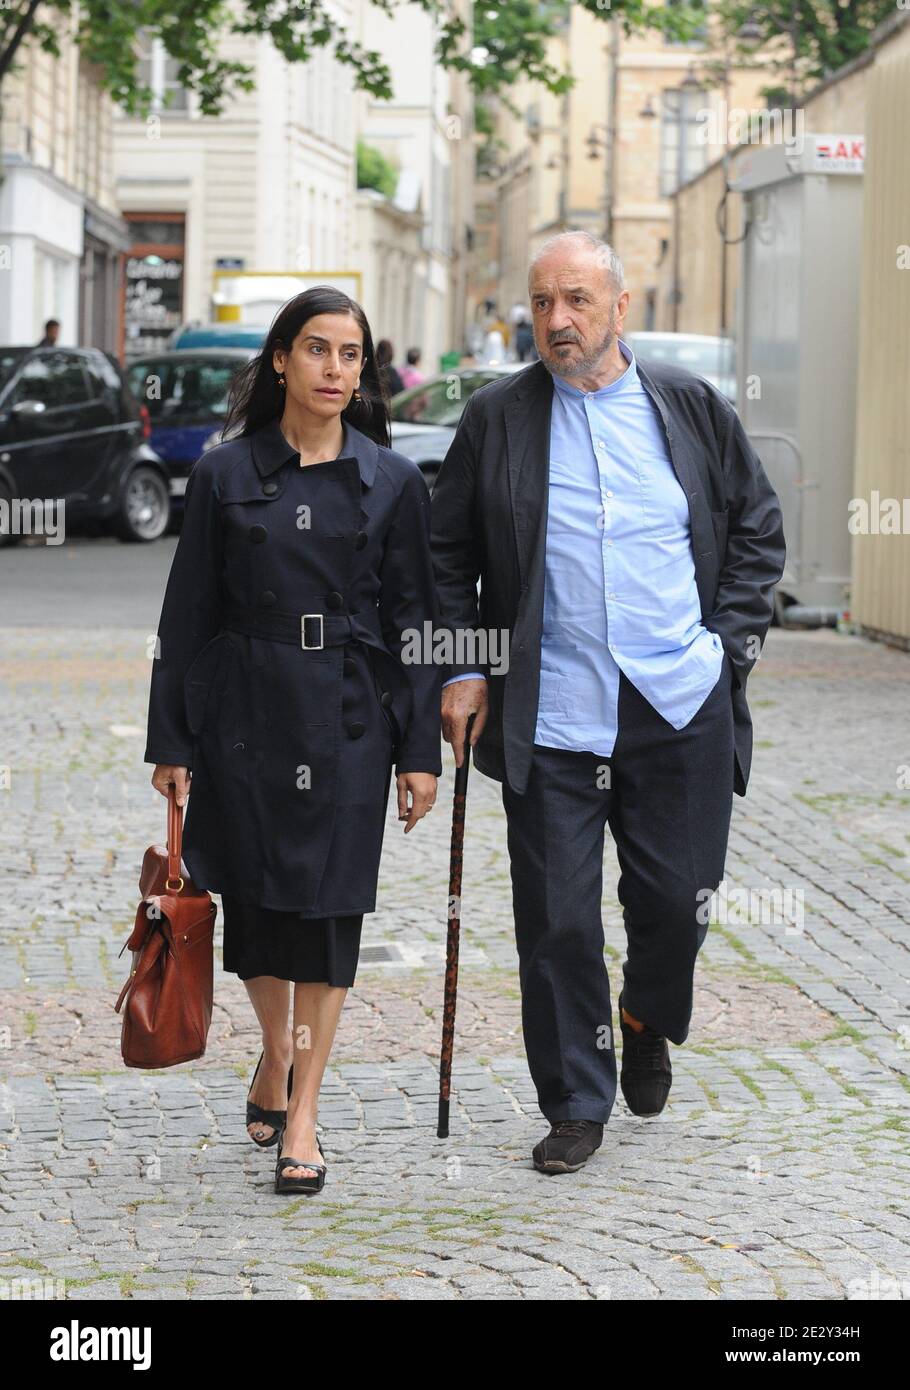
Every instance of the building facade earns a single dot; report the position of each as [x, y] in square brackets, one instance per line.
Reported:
[60, 231]
[267, 185]
[643, 117]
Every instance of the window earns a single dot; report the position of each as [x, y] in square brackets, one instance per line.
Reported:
[154, 231]
[56, 378]
[682, 155]
[193, 391]
[158, 70]
[434, 403]
[9, 361]
[102, 376]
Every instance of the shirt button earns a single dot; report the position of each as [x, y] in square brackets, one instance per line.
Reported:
[609, 493]
[270, 489]
[348, 666]
[356, 730]
[333, 600]
[267, 598]
[600, 444]
[611, 595]
[609, 542]
[360, 540]
[257, 534]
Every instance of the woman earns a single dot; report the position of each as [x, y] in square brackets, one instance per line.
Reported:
[388, 373]
[280, 687]
[410, 374]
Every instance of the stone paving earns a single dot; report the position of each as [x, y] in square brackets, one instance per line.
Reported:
[779, 1169]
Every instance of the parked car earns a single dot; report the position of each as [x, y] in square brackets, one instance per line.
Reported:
[187, 398]
[425, 417]
[706, 356]
[190, 336]
[71, 430]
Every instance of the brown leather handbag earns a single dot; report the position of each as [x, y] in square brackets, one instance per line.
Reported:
[169, 992]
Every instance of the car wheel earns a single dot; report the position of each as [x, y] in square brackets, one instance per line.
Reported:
[7, 537]
[145, 506]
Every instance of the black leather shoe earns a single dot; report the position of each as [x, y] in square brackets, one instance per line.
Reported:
[646, 1074]
[568, 1146]
[255, 1114]
[315, 1182]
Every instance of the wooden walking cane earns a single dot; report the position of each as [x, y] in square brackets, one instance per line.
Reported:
[452, 936]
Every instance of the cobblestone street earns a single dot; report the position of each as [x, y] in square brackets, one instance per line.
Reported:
[779, 1169]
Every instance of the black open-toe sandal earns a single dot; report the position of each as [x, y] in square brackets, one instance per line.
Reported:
[276, 1118]
[311, 1184]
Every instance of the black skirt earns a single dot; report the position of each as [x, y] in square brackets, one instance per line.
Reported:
[263, 941]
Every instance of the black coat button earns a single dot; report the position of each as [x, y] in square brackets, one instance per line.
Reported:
[360, 540]
[357, 730]
[239, 747]
[385, 699]
[267, 598]
[257, 533]
[333, 600]
[349, 666]
[270, 489]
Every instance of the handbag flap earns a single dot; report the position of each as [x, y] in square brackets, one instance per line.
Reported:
[153, 875]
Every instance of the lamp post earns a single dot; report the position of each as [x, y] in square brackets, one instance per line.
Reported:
[608, 145]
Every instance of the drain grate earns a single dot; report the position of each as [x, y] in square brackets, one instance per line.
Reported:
[378, 954]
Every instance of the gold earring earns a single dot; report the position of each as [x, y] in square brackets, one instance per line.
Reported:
[281, 381]
[357, 396]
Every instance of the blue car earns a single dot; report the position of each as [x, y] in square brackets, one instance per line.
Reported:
[186, 394]
[190, 336]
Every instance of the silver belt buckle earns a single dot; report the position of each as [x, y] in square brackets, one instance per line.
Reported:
[312, 646]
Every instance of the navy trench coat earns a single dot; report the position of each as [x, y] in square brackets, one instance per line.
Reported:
[278, 677]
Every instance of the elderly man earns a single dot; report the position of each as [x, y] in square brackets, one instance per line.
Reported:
[627, 540]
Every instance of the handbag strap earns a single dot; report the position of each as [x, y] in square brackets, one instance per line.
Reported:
[174, 841]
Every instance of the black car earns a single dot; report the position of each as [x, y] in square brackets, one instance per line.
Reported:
[71, 431]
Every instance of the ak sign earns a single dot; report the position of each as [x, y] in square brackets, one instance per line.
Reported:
[836, 154]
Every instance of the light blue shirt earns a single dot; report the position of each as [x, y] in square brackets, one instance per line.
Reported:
[619, 588]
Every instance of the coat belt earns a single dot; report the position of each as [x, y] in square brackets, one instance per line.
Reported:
[312, 630]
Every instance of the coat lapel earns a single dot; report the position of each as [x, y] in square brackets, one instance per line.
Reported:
[704, 545]
[527, 423]
[271, 450]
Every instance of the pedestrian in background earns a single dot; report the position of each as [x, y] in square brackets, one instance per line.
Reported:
[410, 374]
[51, 334]
[279, 698]
[388, 374]
[524, 337]
[495, 323]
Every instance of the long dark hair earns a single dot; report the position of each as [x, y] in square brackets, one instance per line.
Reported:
[256, 398]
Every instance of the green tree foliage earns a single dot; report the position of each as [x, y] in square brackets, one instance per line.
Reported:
[509, 38]
[374, 170]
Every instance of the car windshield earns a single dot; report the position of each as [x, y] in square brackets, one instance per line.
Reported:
[182, 392]
[698, 355]
[439, 401]
[9, 361]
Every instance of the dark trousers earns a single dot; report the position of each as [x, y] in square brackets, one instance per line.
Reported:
[667, 795]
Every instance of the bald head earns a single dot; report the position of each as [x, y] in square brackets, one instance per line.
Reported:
[580, 247]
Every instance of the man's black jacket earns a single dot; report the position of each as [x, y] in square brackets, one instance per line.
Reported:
[489, 522]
